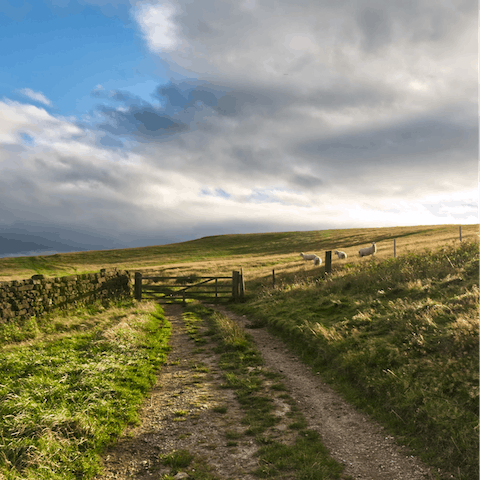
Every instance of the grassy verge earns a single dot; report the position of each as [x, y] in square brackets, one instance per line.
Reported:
[74, 386]
[399, 338]
[303, 455]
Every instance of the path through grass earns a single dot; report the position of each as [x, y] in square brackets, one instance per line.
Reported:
[298, 454]
[399, 338]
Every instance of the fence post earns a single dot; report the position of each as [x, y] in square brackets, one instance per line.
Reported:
[328, 261]
[183, 295]
[460, 231]
[394, 248]
[235, 275]
[273, 277]
[216, 290]
[242, 285]
[138, 286]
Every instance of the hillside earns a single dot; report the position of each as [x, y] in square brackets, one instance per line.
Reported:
[217, 254]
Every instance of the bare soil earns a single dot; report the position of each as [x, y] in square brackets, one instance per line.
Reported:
[184, 412]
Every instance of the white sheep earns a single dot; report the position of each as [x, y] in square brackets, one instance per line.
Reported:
[317, 260]
[308, 256]
[341, 255]
[363, 252]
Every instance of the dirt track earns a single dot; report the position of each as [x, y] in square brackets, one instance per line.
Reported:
[180, 414]
[352, 438]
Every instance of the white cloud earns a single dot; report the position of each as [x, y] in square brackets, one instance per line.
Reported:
[158, 26]
[36, 96]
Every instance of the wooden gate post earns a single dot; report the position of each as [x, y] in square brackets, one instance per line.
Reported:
[138, 286]
[235, 276]
[273, 278]
[460, 232]
[242, 285]
[328, 261]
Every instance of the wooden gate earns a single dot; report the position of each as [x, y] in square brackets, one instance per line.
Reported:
[170, 289]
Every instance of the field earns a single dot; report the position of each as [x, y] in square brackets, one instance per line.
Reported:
[397, 337]
[256, 253]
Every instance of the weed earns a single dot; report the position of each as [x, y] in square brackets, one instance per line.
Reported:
[220, 409]
[306, 459]
[180, 413]
[233, 435]
[177, 459]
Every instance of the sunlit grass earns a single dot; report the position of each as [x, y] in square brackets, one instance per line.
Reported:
[399, 338]
[66, 396]
[258, 253]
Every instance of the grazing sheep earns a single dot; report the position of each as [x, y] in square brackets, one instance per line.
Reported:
[363, 252]
[308, 256]
[317, 260]
[341, 255]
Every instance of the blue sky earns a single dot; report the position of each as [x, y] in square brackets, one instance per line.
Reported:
[65, 52]
[131, 123]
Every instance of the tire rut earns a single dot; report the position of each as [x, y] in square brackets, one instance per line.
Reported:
[181, 412]
[353, 439]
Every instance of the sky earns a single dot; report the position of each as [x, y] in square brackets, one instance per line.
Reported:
[134, 123]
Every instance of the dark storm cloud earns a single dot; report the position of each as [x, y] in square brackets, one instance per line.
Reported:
[428, 139]
[174, 96]
[223, 99]
[375, 23]
[109, 142]
[231, 104]
[142, 122]
[307, 182]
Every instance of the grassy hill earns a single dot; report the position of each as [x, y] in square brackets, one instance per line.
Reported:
[219, 254]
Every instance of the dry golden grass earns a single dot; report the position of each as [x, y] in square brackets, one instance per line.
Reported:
[257, 254]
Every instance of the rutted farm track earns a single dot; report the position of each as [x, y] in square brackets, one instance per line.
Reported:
[188, 410]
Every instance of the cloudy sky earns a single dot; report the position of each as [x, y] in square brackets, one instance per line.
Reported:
[131, 123]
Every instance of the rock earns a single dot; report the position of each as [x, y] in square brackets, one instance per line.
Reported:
[181, 475]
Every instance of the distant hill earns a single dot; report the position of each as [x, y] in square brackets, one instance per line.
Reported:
[17, 244]
[29, 240]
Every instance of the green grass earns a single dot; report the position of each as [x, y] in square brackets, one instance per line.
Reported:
[196, 467]
[257, 251]
[399, 339]
[306, 459]
[243, 369]
[65, 397]
[178, 459]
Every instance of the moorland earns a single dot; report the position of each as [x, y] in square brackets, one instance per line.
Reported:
[397, 337]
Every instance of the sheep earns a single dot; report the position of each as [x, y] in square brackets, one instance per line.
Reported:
[363, 252]
[317, 260]
[341, 255]
[308, 256]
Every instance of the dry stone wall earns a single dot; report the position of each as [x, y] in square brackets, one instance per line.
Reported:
[21, 299]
